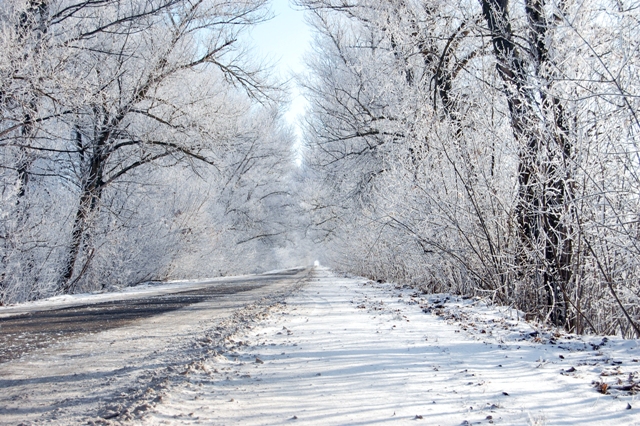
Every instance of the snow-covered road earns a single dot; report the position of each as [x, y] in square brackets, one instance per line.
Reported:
[333, 351]
[341, 352]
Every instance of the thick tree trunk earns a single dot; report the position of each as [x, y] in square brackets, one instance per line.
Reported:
[77, 234]
[89, 203]
[559, 192]
[543, 192]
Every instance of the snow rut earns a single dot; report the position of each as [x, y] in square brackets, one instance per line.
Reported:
[119, 375]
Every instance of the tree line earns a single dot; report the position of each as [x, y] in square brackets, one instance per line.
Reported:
[139, 140]
[482, 147]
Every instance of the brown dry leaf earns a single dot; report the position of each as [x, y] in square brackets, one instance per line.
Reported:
[602, 387]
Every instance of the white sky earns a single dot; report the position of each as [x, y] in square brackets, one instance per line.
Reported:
[284, 40]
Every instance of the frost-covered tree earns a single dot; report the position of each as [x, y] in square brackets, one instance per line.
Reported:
[481, 147]
[108, 105]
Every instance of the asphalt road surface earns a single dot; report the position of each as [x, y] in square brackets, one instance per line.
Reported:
[21, 334]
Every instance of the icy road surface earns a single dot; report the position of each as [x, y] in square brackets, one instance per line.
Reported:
[317, 348]
[28, 327]
[94, 357]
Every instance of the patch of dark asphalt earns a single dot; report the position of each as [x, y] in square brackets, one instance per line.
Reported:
[22, 334]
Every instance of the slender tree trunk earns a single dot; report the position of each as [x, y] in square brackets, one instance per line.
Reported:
[31, 29]
[25, 159]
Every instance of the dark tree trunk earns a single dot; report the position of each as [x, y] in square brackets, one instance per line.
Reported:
[543, 192]
[91, 193]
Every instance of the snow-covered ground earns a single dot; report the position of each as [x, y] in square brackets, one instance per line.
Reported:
[348, 351]
[336, 350]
